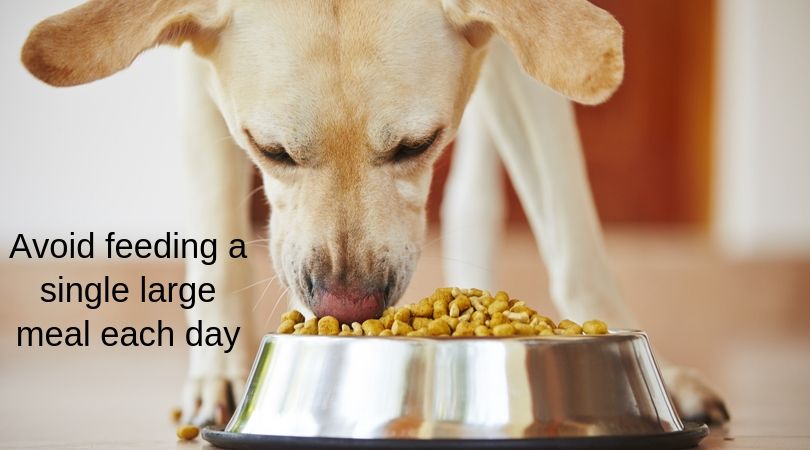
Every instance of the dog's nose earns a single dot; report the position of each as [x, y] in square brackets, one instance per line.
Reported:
[347, 303]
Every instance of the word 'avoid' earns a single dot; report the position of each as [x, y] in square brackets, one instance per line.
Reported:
[161, 335]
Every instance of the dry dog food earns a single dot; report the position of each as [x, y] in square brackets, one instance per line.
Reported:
[447, 312]
[187, 432]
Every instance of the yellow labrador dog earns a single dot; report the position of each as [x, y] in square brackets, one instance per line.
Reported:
[344, 105]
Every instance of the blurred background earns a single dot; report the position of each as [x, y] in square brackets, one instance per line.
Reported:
[699, 165]
[708, 130]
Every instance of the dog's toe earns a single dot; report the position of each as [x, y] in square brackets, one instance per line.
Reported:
[210, 401]
[693, 398]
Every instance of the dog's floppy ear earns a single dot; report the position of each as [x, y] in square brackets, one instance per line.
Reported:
[101, 37]
[571, 45]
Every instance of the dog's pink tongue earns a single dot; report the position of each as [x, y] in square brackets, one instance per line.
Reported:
[349, 305]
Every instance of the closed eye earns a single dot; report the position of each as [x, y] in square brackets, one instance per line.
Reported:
[410, 149]
[274, 152]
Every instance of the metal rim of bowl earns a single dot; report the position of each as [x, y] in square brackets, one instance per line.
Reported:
[689, 437]
[613, 332]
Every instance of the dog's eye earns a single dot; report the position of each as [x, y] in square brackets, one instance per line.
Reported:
[411, 149]
[275, 152]
[278, 154]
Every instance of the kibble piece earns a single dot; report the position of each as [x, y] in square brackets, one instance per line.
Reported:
[357, 329]
[522, 317]
[308, 327]
[345, 333]
[566, 324]
[293, 315]
[524, 329]
[521, 308]
[497, 319]
[463, 302]
[372, 327]
[572, 331]
[479, 307]
[439, 309]
[504, 329]
[452, 321]
[443, 294]
[417, 333]
[543, 326]
[422, 309]
[548, 331]
[187, 432]
[177, 413]
[386, 333]
[455, 292]
[454, 311]
[286, 327]
[486, 301]
[594, 327]
[482, 330]
[501, 295]
[328, 326]
[498, 306]
[438, 327]
[400, 328]
[547, 321]
[387, 321]
[464, 329]
[403, 315]
[420, 322]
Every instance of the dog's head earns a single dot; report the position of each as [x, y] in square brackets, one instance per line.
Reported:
[343, 104]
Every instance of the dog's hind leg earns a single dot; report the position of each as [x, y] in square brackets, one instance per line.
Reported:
[217, 189]
[535, 131]
[473, 206]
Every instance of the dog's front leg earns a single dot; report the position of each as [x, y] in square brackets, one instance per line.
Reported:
[474, 189]
[535, 131]
[217, 189]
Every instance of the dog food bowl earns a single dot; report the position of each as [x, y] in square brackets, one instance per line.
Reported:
[485, 393]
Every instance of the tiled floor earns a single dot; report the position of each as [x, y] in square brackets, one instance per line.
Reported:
[744, 324]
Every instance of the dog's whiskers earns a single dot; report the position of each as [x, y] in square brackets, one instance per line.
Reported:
[268, 279]
[257, 240]
[251, 194]
[224, 138]
[278, 300]
[261, 297]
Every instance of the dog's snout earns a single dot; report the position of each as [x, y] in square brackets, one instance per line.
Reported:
[350, 288]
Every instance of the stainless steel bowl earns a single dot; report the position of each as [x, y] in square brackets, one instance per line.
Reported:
[452, 389]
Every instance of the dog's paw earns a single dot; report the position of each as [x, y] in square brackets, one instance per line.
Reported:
[210, 401]
[693, 398]
[214, 384]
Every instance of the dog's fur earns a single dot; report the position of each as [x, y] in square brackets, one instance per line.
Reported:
[341, 86]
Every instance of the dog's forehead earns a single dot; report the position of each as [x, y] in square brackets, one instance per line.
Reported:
[298, 66]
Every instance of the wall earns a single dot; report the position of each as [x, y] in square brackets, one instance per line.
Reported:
[762, 189]
[104, 156]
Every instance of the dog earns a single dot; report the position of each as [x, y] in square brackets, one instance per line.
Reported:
[344, 106]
